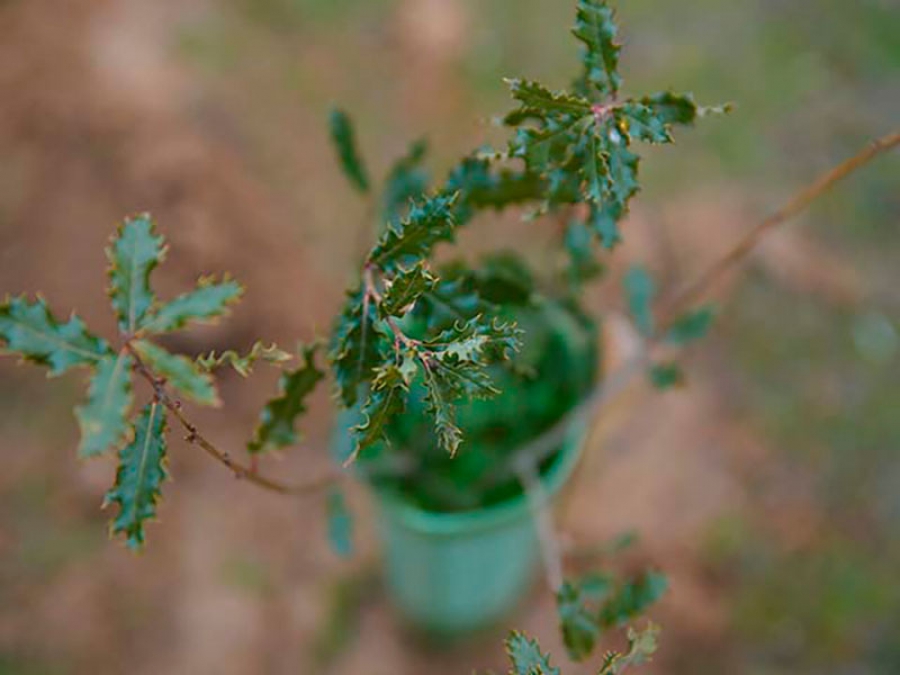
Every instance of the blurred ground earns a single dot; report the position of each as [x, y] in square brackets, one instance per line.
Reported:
[769, 489]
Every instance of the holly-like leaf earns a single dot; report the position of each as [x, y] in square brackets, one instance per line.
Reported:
[477, 340]
[103, 420]
[356, 346]
[632, 598]
[439, 404]
[208, 301]
[136, 249]
[481, 187]
[141, 472]
[691, 326]
[536, 98]
[596, 29]
[596, 170]
[30, 330]
[405, 180]
[641, 647]
[180, 372]
[406, 286]
[651, 118]
[387, 398]
[604, 222]
[583, 264]
[666, 375]
[526, 657]
[243, 364]
[428, 222]
[276, 421]
[578, 606]
[639, 293]
[343, 137]
[340, 524]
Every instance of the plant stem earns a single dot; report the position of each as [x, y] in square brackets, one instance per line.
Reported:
[749, 241]
[195, 437]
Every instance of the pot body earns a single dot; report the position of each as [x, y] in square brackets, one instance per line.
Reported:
[450, 573]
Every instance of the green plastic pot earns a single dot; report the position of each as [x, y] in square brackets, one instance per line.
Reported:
[452, 573]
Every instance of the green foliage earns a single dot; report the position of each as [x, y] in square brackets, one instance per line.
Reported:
[404, 289]
[596, 29]
[631, 598]
[641, 647]
[691, 326]
[30, 330]
[666, 375]
[243, 364]
[103, 420]
[344, 140]
[526, 657]
[357, 344]
[596, 603]
[278, 417]
[141, 472]
[135, 251]
[180, 372]
[340, 524]
[386, 399]
[640, 290]
[428, 222]
[209, 300]
[576, 605]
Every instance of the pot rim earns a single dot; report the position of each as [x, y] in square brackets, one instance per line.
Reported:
[456, 523]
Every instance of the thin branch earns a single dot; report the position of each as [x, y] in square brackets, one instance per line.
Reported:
[539, 504]
[195, 437]
[800, 202]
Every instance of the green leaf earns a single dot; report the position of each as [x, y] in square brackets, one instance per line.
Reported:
[596, 171]
[576, 605]
[583, 264]
[136, 249]
[666, 375]
[480, 187]
[402, 291]
[579, 625]
[670, 108]
[343, 137]
[340, 524]
[641, 647]
[406, 179]
[180, 372]
[276, 421]
[141, 472]
[639, 293]
[651, 118]
[604, 222]
[632, 598]
[596, 28]
[243, 365]
[428, 223]
[31, 331]
[356, 346]
[537, 98]
[208, 301]
[477, 341]
[438, 403]
[387, 398]
[103, 419]
[526, 657]
[691, 326]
